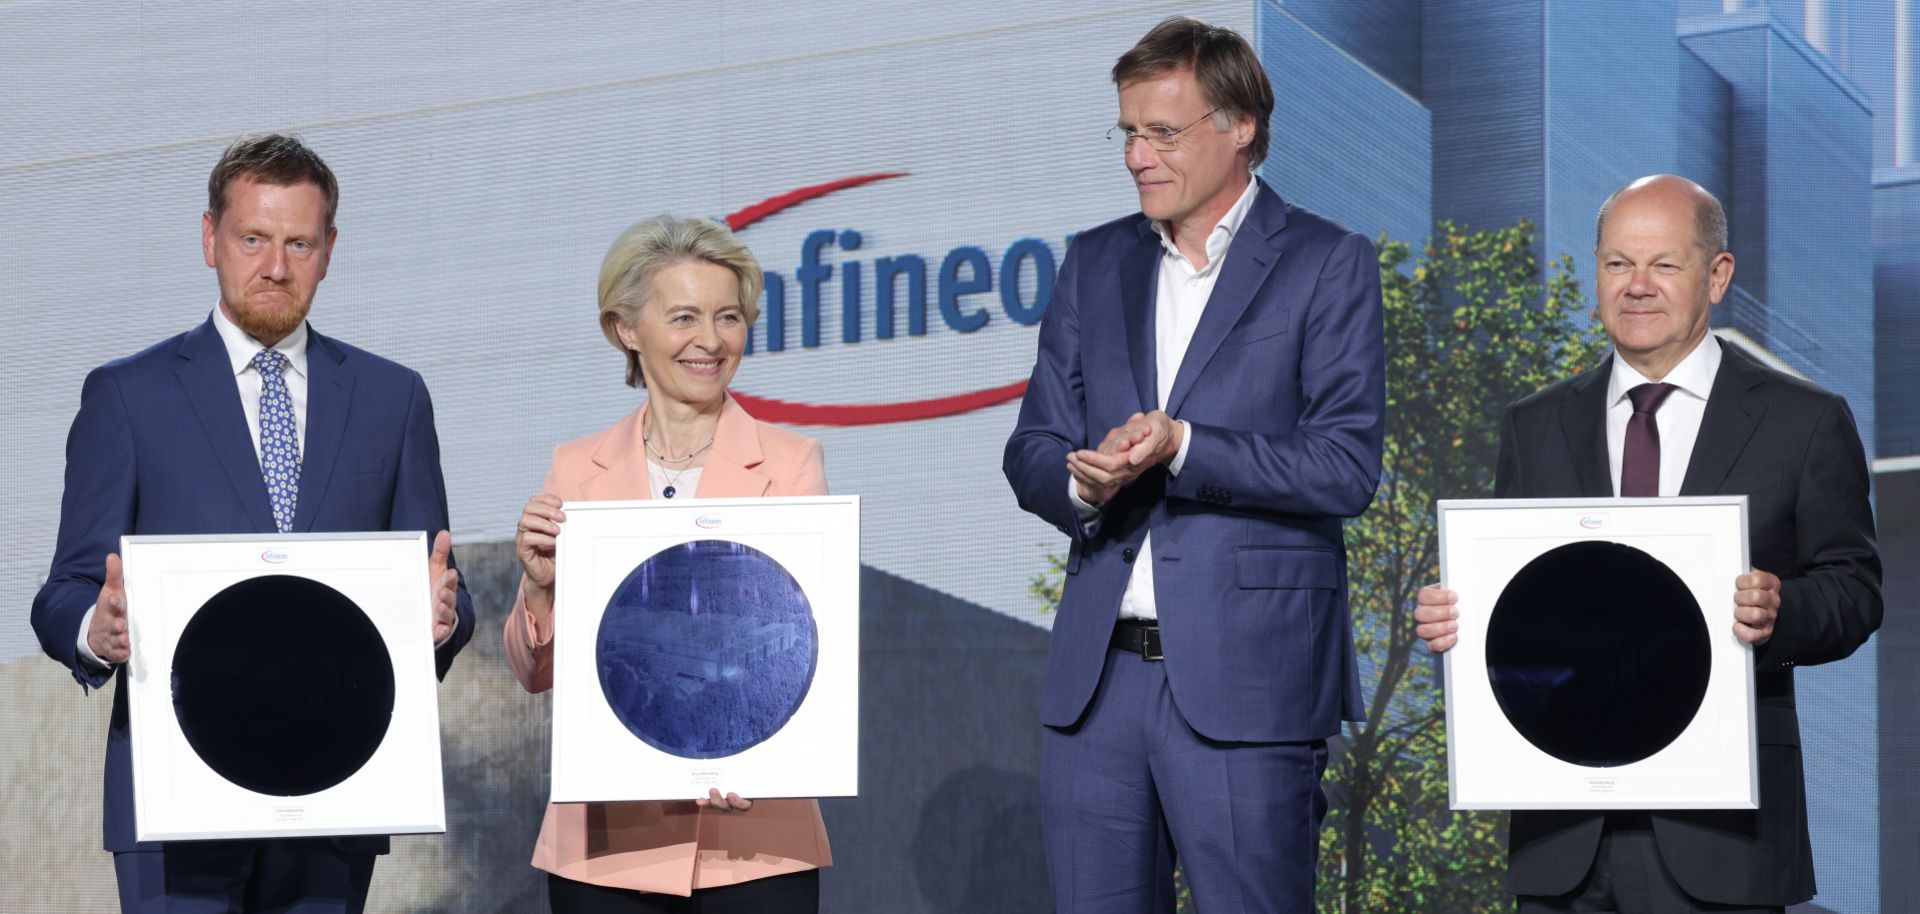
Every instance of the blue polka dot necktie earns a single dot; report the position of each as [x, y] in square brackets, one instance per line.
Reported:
[279, 438]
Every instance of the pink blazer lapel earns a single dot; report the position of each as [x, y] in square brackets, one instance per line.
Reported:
[731, 469]
[622, 462]
[733, 463]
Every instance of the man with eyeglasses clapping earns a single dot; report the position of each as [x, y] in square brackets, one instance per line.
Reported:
[1207, 405]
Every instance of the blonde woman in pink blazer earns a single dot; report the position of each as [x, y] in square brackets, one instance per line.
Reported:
[676, 297]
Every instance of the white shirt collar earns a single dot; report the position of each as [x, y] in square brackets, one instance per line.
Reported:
[241, 348]
[1222, 235]
[1694, 375]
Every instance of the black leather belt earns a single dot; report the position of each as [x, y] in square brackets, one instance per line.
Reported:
[1137, 636]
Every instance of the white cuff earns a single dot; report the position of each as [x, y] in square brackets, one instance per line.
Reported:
[80, 648]
[1089, 515]
[1186, 441]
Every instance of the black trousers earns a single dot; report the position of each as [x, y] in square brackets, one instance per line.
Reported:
[283, 876]
[1628, 877]
[790, 893]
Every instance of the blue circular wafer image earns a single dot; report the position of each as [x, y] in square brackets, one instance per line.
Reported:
[706, 649]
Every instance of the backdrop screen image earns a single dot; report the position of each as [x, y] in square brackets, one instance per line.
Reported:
[911, 181]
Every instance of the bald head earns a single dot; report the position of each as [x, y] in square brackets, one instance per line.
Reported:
[1663, 266]
[1709, 219]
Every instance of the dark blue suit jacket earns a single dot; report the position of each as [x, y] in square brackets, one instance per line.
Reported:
[1284, 392]
[161, 446]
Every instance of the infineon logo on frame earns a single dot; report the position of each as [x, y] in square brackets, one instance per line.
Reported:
[273, 556]
[913, 290]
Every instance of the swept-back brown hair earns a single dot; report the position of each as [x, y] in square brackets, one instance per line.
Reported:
[1223, 63]
[273, 159]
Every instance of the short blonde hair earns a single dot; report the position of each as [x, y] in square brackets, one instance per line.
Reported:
[641, 252]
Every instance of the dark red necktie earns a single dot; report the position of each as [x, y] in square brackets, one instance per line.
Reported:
[1640, 462]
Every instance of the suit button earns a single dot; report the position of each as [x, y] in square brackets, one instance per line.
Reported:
[1126, 555]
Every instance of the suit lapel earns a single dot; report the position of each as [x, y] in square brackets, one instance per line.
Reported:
[1733, 413]
[206, 375]
[329, 398]
[1583, 419]
[1250, 259]
[731, 471]
[1139, 285]
[622, 458]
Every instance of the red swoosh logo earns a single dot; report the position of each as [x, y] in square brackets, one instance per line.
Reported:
[781, 411]
[748, 216]
[770, 410]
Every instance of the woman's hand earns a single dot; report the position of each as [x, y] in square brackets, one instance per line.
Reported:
[729, 803]
[533, 540]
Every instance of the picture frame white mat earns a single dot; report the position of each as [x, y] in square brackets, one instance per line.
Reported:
[814, 753]
[177, 795]
[1712, 764]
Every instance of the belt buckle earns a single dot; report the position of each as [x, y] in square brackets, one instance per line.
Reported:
[1150, 643]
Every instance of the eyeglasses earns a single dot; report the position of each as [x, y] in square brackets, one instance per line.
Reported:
[1161, 139]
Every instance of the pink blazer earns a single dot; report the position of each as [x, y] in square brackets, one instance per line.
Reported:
[672, 847]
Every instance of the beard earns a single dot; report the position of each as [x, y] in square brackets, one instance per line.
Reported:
[269, 324]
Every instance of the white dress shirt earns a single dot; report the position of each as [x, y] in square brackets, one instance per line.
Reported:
[1678, 417]
[241, 349]
[1180, 299]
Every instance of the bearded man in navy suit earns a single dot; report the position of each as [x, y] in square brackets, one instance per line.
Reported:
[179, 439]
[1207, 405]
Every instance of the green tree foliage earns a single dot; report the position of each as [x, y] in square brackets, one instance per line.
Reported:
[1471, 326]
[1048, 585]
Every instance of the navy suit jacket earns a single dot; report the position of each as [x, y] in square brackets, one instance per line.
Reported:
[1793, 450]
[161, 446]
[1283, 390]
